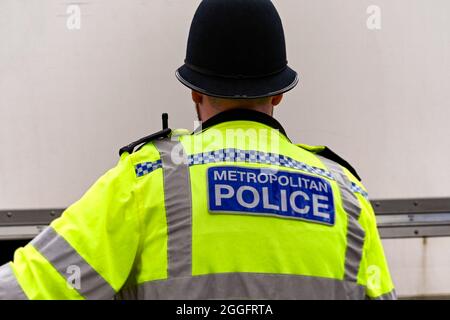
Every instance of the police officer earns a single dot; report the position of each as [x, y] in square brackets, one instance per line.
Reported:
[233, 210]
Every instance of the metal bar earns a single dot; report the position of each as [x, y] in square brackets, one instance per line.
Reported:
[414, 232]
[411, 205]
[20, 232]
[28, 217]
[413, 218]
[397, 218]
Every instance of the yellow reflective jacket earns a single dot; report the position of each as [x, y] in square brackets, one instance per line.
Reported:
[234, 210]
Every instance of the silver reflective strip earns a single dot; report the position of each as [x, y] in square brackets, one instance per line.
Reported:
[177, 199]
[9, 287]
[387, 296]
[66, 260]
[246, 286]
[355, 233]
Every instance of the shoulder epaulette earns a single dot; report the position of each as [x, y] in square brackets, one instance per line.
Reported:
[329, 154]
[130, 148]
[164, 133]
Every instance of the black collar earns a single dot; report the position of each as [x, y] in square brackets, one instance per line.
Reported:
[241, 115]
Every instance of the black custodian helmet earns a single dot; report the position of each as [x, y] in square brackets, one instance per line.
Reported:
[236, 49]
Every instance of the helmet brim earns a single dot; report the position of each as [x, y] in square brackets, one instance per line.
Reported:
[242, 88]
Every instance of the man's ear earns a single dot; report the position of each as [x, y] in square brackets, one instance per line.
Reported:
[276, 100]
[197, 97]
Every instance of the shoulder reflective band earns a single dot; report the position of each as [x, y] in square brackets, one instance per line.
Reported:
[355, 233]
[177, 199]
[9, 287]
[246, 286]
[65, 259]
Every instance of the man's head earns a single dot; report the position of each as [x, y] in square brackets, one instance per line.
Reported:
[237, 52]
[208, 106]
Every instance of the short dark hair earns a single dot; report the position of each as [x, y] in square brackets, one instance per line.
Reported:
[244, 102]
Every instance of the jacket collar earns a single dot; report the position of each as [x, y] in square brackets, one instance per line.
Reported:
[242, 115]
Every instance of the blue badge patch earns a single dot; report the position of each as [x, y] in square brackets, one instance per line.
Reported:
[282, 194]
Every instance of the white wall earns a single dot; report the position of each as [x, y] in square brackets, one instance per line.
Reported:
[419, 267]
[70, 99]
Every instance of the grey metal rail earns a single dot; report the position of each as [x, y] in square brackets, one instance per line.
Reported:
[397, 218]
[413, 218]
[25, 224]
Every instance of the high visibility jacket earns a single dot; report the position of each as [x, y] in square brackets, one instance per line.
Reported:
[234, 210]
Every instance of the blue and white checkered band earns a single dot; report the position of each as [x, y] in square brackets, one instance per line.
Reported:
[246, 156]
[252, 156]
[357, 189]
[143, 169]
